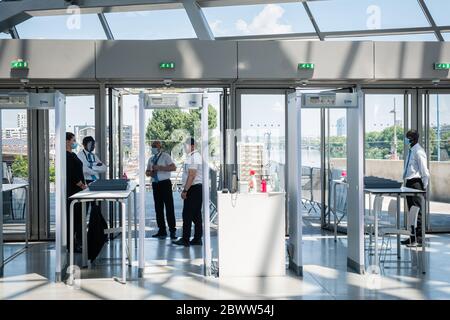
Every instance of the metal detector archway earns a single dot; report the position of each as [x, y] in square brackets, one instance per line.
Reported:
[175, 101]
[44, 101]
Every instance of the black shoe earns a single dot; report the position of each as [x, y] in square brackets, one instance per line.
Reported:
[415, 244]
[173, 235]
[408, 241]
[181, 242]
[196, 242]
[160, 235]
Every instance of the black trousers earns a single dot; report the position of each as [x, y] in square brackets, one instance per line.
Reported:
[163, 197]
[192, 212]
[416, 183]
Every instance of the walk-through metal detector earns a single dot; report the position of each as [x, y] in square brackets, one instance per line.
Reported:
[43, 101]
[176, 101]
[352, 100]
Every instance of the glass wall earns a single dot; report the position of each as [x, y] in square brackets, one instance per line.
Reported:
[438, 141]
[15, 172]
[384, 135]
[261, 146]
[311, 162]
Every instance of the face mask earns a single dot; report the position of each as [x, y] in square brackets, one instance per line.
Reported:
[74, 145]
[155, 150]
[407, 142]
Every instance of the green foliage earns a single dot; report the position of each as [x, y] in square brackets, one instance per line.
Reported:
[173, 126]
[20, 167]
[379, 144]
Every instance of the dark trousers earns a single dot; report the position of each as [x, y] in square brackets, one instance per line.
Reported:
[192, 212]
[162, 195]
[416, 183]
[76, 223]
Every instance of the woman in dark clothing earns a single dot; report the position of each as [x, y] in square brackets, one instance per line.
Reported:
[75, 183]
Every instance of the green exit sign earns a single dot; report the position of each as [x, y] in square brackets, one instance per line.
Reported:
[19, 64]
[167, 65]
[441, 66]
[306, 66]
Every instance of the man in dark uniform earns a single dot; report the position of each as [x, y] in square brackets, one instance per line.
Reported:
[159, 167]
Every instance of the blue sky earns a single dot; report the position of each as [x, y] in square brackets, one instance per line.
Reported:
[333, 15]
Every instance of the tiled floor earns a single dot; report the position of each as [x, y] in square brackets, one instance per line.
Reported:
[176, 273]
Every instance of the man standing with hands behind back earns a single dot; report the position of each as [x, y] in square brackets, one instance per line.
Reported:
[159, 167]
[192, 196]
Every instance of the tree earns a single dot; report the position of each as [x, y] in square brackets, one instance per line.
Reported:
[173, 126]
[20, 167]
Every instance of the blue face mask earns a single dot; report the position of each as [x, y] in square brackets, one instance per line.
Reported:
[155, 150]
[74, 145]
[407, 141]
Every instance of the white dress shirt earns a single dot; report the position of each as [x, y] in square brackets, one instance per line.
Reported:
[416, 165]
[162, 159]
[90, 169]
[193, 161]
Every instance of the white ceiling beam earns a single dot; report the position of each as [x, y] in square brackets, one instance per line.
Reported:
[198, 20]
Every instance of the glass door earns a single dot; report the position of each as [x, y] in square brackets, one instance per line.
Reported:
[436, 139]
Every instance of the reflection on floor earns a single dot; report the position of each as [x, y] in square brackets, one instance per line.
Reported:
[176, 273]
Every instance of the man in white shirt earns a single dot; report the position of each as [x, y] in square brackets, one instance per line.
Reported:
[416, 176]
[192, 195]
[92, 166]
[159, 167]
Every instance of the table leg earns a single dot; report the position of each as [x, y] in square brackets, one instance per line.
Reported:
[135, 219]
[376, 236]
[124, 270]
[424, 214]
[84, 234]
[71, 262]
[334, 212]
[129, 244]
[26, 214]
[398, 227]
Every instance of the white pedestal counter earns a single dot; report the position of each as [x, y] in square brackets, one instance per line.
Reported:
[252, 234]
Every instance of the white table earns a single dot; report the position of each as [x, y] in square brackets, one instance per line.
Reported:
[251, 234]
[123, 197]
[398, 193]
[17, 186]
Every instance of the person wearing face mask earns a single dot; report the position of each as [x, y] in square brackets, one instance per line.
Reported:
[158, 168]
[75, 183]
[92, 166]
[416, 176]
[192, 196]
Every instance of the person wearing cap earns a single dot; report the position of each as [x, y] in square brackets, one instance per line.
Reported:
[192, 196]
[416, 176]
[159, 167]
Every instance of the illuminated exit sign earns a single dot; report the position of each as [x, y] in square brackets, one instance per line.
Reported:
[306, 66]
[441, 66]
[19, 64]
[167, 65]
